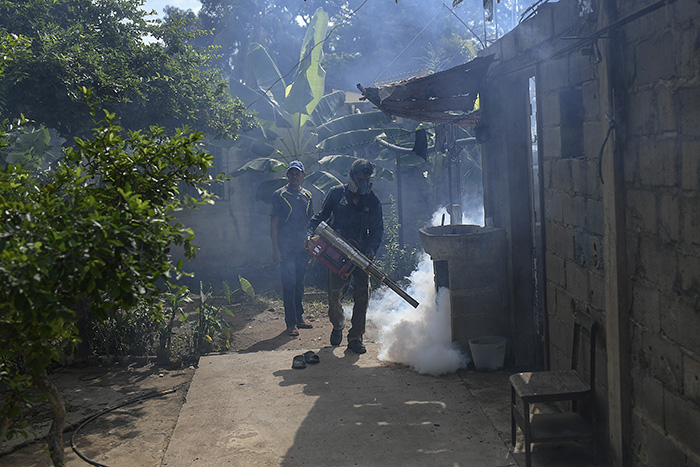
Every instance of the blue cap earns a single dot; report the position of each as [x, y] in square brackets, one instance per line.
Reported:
[296, 165]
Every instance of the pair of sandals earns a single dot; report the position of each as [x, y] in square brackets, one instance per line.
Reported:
[308, 358]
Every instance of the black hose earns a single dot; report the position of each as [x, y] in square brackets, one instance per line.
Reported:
[131, 401]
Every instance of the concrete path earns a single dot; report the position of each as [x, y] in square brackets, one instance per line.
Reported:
[253, 409]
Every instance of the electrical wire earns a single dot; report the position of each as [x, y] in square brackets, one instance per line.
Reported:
[99, 414]
[407, 46]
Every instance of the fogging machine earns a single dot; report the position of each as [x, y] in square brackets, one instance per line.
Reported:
[342, 258]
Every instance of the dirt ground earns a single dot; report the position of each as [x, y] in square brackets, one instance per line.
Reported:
[137, 403]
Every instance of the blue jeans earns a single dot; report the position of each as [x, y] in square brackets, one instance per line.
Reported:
[292, 271]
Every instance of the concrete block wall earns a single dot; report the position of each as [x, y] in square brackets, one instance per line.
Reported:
[662, 183]
[660, 140]
[569, 112]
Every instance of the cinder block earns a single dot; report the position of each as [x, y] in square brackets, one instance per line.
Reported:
[556, 272]
[686, 51]
[560, 240]
[669, 217]
[631, 164]
[594, 219]
[639, 112]
[596, 290]
[582, 247]
[574, 210]
[690, 165]
[549, 107]
[665, 360]
[682, 421]
[508, 47]
[680, 321]
[645, 306]
[666, 109]
[691, 379]
[690, 219]
[551, 145]
[660, 263]
[658, 163]
[689, 272]
[641, 211]
[561, 175]
[581, 70]
[553, 206]
[577, 281]
[689, 100]
[661, 450]
[555, 73]
[653, 60]
[579, 176]
[591, 101]
[648, 396]
[638, 438]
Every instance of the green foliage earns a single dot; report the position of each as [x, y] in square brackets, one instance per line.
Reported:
[212, 332]
[89, 239]
[398, 262]
[71, 44]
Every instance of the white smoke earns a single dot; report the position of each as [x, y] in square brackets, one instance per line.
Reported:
[420, 337]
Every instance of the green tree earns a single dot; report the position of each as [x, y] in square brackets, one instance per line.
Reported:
[105, 46]
[93, 234]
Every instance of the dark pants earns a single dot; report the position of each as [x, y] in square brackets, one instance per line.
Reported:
[337, 288]
[292, 271]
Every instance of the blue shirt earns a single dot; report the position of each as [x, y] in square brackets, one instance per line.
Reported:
[294, 209]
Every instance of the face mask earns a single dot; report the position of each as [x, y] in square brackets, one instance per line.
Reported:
[361, 187]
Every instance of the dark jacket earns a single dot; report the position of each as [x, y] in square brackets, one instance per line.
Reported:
[361, 223]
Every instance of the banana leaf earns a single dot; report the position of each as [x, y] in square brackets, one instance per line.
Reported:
[341, 164]
[328, 107]
[255, 146]
[323, 181]
[253, 99]
[266, 72]
[308, 85]
[349, 139]
[261, 165]
[352, 122]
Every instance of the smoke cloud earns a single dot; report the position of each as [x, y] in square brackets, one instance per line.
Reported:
[420, 338]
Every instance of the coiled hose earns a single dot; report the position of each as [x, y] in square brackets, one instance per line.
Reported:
[131, 401]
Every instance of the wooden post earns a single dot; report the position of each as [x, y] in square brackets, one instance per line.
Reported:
[617, 324]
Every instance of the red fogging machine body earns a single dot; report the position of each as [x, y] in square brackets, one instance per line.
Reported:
[330, 257]
[342, 258]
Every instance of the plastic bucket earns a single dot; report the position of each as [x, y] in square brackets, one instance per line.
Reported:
[488, 352]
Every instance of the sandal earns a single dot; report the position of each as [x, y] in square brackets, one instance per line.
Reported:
[311, 357]
[293, 331]
[299, 362]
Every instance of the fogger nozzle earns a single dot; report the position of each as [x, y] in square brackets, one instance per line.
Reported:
[325, 231]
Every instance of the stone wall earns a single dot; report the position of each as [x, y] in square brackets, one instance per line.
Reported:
[662, 182]
[658, 136]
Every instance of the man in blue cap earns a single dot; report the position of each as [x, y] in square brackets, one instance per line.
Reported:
[290, 212]
[355, 213]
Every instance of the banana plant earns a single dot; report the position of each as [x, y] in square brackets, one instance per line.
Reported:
[299, 121]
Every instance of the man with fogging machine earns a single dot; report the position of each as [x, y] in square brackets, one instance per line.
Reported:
[290, 212]
[355, 213]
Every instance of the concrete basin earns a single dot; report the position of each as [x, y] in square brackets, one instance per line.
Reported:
[470, 241]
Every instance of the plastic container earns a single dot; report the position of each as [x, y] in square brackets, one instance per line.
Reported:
[488, 352]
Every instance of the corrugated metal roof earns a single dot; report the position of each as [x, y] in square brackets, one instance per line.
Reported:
[444, 97]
